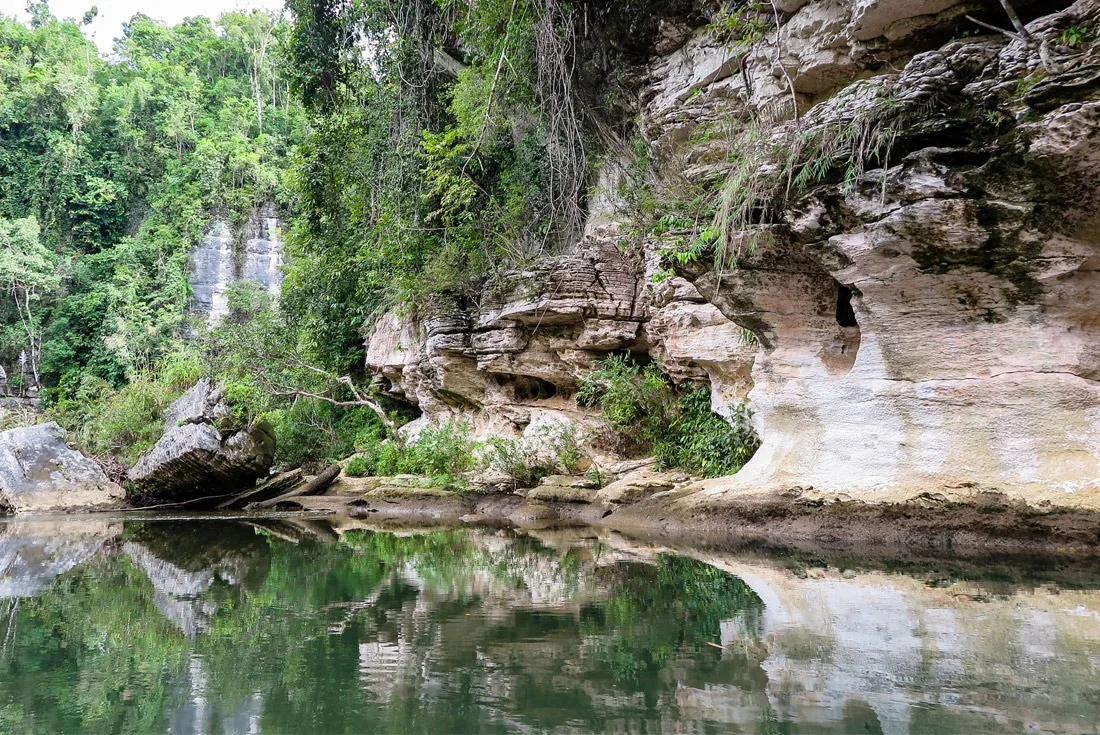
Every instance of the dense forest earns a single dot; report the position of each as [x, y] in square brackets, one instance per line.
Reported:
[415, 151]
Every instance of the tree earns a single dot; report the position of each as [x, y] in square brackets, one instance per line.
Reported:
[27, 273]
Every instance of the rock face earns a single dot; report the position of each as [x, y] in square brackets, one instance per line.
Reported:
[933, 324]
[224, 257]
[40, 473]
[512, 363]
[915, 301]
[202, 453]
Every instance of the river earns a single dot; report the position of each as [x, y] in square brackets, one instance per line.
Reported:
[298, 625]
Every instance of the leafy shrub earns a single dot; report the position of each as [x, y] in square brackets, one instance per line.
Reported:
[311, 432]
[123, 423]
[359, 466]
[554, 448]
[442, 452]
[518, 459]
[446, 450]
[704, 443]
[637, 402]
[680, 429]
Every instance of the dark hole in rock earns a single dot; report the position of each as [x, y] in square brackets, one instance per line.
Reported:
[526, 388]
[845, 314]
[640, 358]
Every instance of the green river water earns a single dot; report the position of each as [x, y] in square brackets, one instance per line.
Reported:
[327, 626]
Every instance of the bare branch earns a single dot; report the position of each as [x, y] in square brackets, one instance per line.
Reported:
[991, 27]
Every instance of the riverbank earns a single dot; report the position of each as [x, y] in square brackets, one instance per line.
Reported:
[978, 524]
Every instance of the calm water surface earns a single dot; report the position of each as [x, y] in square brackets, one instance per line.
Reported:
[292, 626]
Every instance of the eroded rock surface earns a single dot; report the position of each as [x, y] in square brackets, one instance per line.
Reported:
[934, 325]
[511, 364]
[202, 454]
[40, 472]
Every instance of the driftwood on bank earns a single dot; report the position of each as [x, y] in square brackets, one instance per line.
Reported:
[273, 487]
[314, 487]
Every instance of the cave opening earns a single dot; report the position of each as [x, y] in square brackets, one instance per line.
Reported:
[845, 314]
[527, 388]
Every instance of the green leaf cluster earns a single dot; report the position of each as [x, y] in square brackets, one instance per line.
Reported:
[122, 162]
[677, 426]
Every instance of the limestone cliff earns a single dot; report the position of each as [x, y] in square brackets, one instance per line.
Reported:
[224, 257]
[914, 204]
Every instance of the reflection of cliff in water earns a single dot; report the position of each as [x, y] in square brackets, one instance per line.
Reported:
[184, 561]
[314, 627]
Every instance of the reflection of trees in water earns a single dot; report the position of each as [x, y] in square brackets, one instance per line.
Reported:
[451, 630]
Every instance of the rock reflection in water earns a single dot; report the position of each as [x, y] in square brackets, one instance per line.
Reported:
[280, 625]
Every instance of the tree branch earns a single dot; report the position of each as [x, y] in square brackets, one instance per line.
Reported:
[990, 27]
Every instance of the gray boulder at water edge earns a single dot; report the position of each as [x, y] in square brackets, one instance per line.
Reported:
[202, 453]
[39, 472]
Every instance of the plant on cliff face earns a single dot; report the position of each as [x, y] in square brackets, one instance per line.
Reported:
[516, 459]
[704, 443]
[1074, 36]
[680, 429]
[745, 23]
[636, 401]
[552, 448]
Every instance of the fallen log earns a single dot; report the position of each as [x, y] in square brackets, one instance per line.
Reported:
[277, 485]
[314, 487]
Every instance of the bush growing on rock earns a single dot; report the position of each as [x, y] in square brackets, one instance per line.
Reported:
[119, 424]
[680, 429]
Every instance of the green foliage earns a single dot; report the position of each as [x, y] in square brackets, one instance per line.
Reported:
[310, 432]
[358, 466]
[469, 174]
[266, 365]
[517, 459]
[1074, 36]
[681, 430]
[637, 402]
[744, 24]
[121, 423]
[123, 162]
[444, 453]
[704, 443]
[27, 274]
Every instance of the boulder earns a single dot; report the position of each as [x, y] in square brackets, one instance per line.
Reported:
[200, 454]
[39, 472]
[636, 486]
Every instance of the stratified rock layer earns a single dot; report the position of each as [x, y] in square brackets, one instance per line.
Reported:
[39, 472]
[200, 455]
[934, 325]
